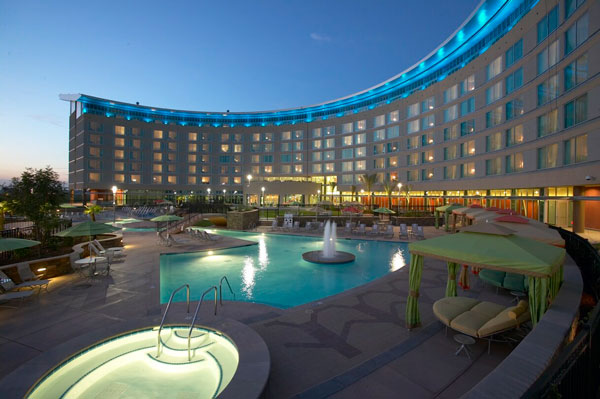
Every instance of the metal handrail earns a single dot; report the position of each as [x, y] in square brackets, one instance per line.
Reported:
[221, 289]
[187, 286]
[214, 287]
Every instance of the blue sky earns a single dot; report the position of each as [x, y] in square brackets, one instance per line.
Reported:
[197, 55]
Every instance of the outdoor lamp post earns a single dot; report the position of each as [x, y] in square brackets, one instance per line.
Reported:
[245, 194]
[399, 194]
[225, 195]
[263, 195]
[208, 191]
[318, 195]
[114, 191]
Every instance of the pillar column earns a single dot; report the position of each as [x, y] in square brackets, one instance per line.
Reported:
[578, 211]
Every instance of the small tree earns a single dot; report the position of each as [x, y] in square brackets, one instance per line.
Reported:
[369, 181]
[3, 210]
[93, 210]
[36, 195]
[406, 192]
[388, 187]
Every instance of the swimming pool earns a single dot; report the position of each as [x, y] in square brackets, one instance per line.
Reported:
[274, 273]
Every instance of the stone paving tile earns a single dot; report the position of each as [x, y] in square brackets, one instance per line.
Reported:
[13, 354]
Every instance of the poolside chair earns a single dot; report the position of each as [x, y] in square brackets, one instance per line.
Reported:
[8, 285]
[296, 226]
[389, 232]
[403, 231]
[321, 227]
[210, 237]
[9, 296]
[374, 230]
[274, 226]
[420, 233]
[413, 229]
[117, 251]
[308, 226]
[26, 274]
[362, 229]
[288, 221]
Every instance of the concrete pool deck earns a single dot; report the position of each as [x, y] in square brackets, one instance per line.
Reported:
[350, 345]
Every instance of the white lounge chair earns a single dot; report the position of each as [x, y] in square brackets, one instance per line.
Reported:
[321, 227]
[403, 231]
[413, 229]
[210, 237]
[362, 229]
[348, 228]
[117, 251]
[308, 226]
[8, 285]
[9, 296]
[274, 226]
[296, 226]
[389, 232]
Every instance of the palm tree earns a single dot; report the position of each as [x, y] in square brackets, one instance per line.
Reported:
[92, 210]
[332, 185]
[406, 191]
[369, 181]
[388, 187]
[354, 194]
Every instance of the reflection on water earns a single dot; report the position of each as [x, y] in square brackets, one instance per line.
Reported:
[263, 256]
[248, 277]
[397, 261]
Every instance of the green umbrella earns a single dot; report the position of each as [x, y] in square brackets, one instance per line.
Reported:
[166, 218]
[68, 206]
[10, 244]
[384, 210]
[88, 228]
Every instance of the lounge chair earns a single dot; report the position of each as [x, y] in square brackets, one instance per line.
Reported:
[274, 226]
[8, 285]
[117, 251]
[509, 281]
[420, 233]
[348, 228]
[413, 229]
[480, 319]
[389, 232]
[362, 229]
[9, 296]
[321, 227]
[26, 274]
[210, 237]
[374, 230]
[296, 226]
[403, 231]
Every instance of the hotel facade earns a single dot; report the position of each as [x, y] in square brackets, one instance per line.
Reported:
[505, 112]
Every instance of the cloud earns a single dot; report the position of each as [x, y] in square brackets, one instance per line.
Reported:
[320, 38]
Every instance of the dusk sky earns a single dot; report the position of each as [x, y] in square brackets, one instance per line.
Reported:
[197, 55]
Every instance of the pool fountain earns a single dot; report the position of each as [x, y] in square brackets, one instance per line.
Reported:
[328, 254]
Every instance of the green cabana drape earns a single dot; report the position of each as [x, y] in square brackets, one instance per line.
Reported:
[451, 284]
[542, 291]
[413, 317]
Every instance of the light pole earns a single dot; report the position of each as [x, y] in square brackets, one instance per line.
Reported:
[208, 190]
[224, 196]
[114, 191]
[399, 193]
[263, 195]
[249, 178]
[318, 195]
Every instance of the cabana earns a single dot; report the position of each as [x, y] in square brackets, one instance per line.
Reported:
[479, 217]
[503, 251]
[463, 213]
[447, 211]
[531, 229]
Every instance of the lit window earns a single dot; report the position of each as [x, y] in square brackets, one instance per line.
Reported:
[158, 134]
[120, 130]
[119, 178]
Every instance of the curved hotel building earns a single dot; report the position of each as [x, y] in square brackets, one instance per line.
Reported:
[505, 111]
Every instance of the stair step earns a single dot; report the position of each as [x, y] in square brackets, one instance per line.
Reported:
[175, 361]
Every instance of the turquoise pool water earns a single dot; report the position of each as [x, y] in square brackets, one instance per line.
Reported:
[274, 273]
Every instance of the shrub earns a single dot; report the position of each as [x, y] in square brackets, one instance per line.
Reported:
[203, 223]
[218, 221]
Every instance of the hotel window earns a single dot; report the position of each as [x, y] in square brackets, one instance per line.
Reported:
[237, 180]
[427, 139]
[547, 156]
[285, 147]
[576, 34]
[571, 6]
[255, 148]
[426, 174]
[392, 132]
[286, 169]
[576, 150]
[493, 142]
[119, 154]
[347, 166]
[172, 135]
[468, 106]
[493, 93]
[514, 163]
[157, 179]
[205, 159]
[450, 152]
[360, 165]
[451, 133]
[379, 135]
[298, 145]
[393, 117]
[428, 104]
[514, 135]
[451, 94]
[328, 143]
[238, 148]
[224, 137]
[268, 169]
[192, 147]
[548, 123]
[347, 179]
[348, 153]
[347, 128]
[191, 180]
[493, 166]
[576, 72]
[514, 80]
[95, 126]
[360, 152]
[286, 136]
[255, 159]
[379, 120]
[205, 180]
[547, 25]
[297, 168]
[255, 137]
[467, 169]
[428, 122]
[360, 138]
[119, 178]
[224, 147]
[192, 169]
[135, 155]
[451, 113]
[347, 140]
[172, 179]
[136, 131]
[576, 111]
[298, 157]
[327, 155]
[467, 85]
[379, 163]
[514, 53]
[224, 159]
[360, 125]
[95, 164]
[192, 136]
[95, 139]
[158, 134]
[157, 156]
[171, 168]
[136, 143]
[223, 180]
[316, 132]
[467, 148]
[393, 146]
[267, 136]
[172, 146]
[514, 109]
[316, 144]
[156, 145]
[205, 147]
[298, 134]
[268, 158]
[286, 157]
[493, 68]
[94, 177]
[412, 110]
[493, 117]
[412, 126]
[328, 131]
[378, 149]
[412, 159]
[412, 175]
[135, 166]
[237, 158]
[120, 130]
[119, 166]
[547, 91]
[192, 158]
[467, 127]
[392, 162]
[427, 156]
[269, 147]
[317, 156]
[329, 167]
[412, 142]
[547, 57]
[135, 179]
[450, 172]
[317, 168]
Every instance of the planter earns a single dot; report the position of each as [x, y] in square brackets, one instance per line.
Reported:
[245, 220]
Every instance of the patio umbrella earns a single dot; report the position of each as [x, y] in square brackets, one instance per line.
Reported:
[351, 209]
[166, 218]
[88, 228]
[10, 244]
[384, 210]
[68, 206]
